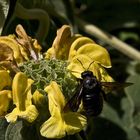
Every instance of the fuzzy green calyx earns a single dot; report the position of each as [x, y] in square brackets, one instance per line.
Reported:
[44, 71]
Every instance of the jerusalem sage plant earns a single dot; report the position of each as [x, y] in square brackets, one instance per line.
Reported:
[35, 86]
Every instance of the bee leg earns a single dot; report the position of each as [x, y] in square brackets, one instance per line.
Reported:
[104, 95]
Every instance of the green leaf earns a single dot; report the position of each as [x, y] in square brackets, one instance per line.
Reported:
[133, 92]
[21, 130]
[137, 121]
[110, 114]
[127, 119]
[3, 127]
[4, 7]
[13, 131]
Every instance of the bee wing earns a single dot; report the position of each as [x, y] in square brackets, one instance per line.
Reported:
[74, 102]
[115, 85]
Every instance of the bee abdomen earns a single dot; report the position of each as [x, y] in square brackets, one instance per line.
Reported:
[93, 104]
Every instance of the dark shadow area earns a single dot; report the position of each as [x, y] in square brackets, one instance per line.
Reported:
[103, 129]
[114, 100]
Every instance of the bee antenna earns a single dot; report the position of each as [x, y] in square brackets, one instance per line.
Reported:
[90, 64]
[81, 63]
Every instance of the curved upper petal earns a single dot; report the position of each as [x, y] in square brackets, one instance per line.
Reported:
[96, 53]
[60, 123]
[5, 79]
[22, 98]
[10, 42]
[76, 44]
[50, 54]
[38, 99]
[4, 101]
[105, 77]
[79, 64]
[55, 96]
[19, 90]
[61, 44]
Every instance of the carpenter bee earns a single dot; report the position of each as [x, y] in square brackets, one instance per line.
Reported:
[91, 93]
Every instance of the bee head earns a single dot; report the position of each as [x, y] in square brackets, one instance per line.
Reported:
[89, 80]
[86, 74]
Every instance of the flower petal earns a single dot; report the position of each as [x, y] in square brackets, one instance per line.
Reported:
[19, 87]
[36, 46]
[6, 53]
[60, 123]
[11, 42]
[74, 122]
[30, 114]
[79, 42]
[55, 96]
[50, 54]
[62, 43]
[79, 64]
[53, 128]
[28, 94]
[70, 123]
[38, 99]
[5, 79]
[96, 53]
[105, 76]
[4, 101]
[12, 117]
[30, 45]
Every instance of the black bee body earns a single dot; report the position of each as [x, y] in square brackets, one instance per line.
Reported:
[91, 94]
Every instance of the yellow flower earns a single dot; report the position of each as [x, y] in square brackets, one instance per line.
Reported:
[10, 42]
[5, 95]
[38, 99]
[4, 101]
[89, 56]
[21, 91]
[29, 47]
[82, 54]
[18, 49]
[5, 79]
[84, 62]
[60, 123]
[62, 43]
[66, 44]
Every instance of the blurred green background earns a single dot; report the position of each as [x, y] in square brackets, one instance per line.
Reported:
[120, 119]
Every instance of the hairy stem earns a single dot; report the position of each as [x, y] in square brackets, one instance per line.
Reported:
[38, 14]
[109, 39]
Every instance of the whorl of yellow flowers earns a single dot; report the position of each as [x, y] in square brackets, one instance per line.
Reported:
[77, 47]
[15, 85]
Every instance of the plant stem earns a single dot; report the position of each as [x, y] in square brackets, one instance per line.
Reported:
[38, 14]
[109, 39]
